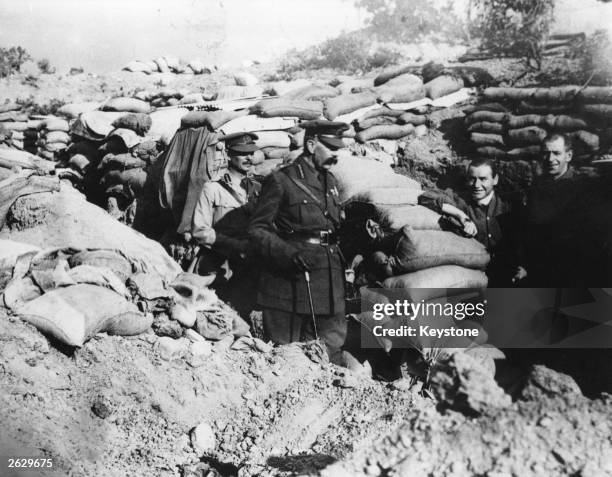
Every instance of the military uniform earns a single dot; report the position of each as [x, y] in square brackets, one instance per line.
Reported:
[299, 211]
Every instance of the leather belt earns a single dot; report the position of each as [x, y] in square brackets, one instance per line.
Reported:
[324, 238]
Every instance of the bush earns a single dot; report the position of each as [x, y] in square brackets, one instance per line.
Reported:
[33, 107]
[516, 28]
[45, 67]
[350, 52]
[11, 60]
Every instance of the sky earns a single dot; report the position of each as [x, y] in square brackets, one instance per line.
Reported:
[104, 35]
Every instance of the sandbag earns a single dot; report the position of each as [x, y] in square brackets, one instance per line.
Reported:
[244, 78]
[585, 140]
[283, 88]
[138, 122]
[128, 105]
[138, 67]
[392, 131]
[516, 122]
[382, 111]
[414, 119]
[162, 66]
[55, 124]
[191, 98]
[402, 92]
[508, 94]
[9, 106]
[282, 107]
[434, 282]
[443, 85]
[276, 152]
[494, 107]
[555, 94]
[57, 136]
[313, 93]
[422, 249]
[529, 107]
[100, 276]
[526, 136]
[528, 152]
[11, 250]
[13, 116]
[415, 216]
[211, 119]
[488, 116]
[486, 127]
[105, 259]
[347, 103]
[55, 146]
[121, 162]
[365, 184]
[67, 314]
[10, 158]
[491, 152]
[355, 85]
[134, 178]
[362, 124]
[564, 123]
[15, 126]
[482, 139]
[596, 94]
[601, 110]
[388, 196]
[74, 110]
[393, 72]
[272, 139]
[252, 123]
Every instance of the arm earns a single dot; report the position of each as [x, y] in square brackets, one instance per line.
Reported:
[444, 205]
[202, 221]
[262, 229]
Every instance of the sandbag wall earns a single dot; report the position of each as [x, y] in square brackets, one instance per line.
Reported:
[169, 64]
[14, 126]
[437, 259]
[510, 123]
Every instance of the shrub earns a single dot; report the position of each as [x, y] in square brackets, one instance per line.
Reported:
[33, 107]
[11, 60]
[45, 67]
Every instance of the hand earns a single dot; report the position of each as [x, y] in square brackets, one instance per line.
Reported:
[300, 263]
[469, 227]
[520, 274]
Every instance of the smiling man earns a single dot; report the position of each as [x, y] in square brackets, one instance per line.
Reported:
[485, 216]
[294, 229]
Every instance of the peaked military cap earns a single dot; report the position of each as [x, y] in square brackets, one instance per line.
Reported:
[328, 132]
[243, 142]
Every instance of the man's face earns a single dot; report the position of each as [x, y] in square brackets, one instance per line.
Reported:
[242, 162]
[555, 159]
[481, 181]
[323, 157]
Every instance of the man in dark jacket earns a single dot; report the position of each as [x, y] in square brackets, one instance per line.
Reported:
[294, 229]
[485, 216]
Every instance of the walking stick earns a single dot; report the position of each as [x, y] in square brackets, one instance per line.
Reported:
[312, 313]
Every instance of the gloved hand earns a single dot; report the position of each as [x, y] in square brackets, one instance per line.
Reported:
[299, 262]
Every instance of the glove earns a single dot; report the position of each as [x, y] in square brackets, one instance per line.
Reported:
[299, 262]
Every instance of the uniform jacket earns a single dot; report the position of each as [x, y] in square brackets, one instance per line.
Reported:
[285, 213]
[220, 218]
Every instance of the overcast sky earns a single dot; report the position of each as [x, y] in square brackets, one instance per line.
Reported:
[104, 35]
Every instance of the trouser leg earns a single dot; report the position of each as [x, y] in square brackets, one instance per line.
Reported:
[281, 327]
[332, 330]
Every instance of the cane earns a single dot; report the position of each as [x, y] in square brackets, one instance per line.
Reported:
[312, 313]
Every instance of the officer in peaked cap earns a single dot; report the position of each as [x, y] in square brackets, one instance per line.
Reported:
[220, 220]
[294, 228]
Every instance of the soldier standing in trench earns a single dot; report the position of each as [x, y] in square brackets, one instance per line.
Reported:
[294, 229]
[219, 225]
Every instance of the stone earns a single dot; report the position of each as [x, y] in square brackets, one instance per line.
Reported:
[203, 439]
[462, 383]
[543, 382]
[170, 348]
[193, 336]
[165, 327]
[214, 326]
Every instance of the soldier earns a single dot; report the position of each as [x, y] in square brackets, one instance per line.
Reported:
[294, 229]
[219, 225]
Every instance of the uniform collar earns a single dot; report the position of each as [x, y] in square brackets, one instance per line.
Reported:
[487, 200]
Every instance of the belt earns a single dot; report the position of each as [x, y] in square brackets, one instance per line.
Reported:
[322, 237]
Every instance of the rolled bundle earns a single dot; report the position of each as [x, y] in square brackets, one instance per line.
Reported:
[443, 85]
[140, 123]
[127, 105]
[482, 139]
[347, 103]
[281, 107]
[273, 139]
[414, 119]
[211, 119]
[526, 136]
[392, 131]
[434, 282]
[486, 127]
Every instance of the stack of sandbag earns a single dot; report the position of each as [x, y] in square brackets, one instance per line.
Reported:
[386, 123]
[53, 137]
[13, 124]
[510, 123]
[169, 97]
[169, 64]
